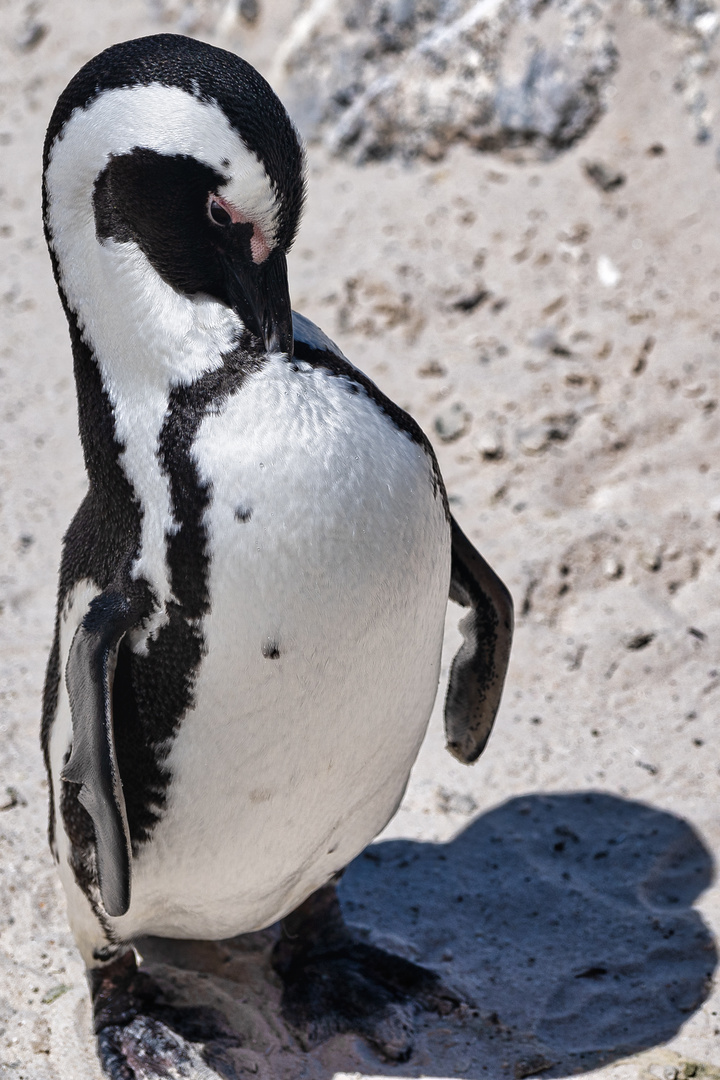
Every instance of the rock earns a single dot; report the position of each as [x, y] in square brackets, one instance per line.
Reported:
[651, 557]
[639, 641]
[490, 445]
[455, 802]
[537, 437]
[612, 568]
[452, 423]
[698, 22]
[533, 440]
[411, 77]
[432, 370]
[697, 17]
[31, 31]
[249, 11]
[14, 798]
[607, 272]
[561, 427]
[533, 1065]
[603, 176]
[469, 301]
[544, 338]
[54, 993]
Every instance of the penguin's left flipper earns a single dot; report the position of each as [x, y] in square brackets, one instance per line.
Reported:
[478, 671]
[93, 762]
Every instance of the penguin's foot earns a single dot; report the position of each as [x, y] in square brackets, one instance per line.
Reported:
[140, 1036]
[334, 984]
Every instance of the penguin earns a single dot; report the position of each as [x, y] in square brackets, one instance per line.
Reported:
[252, 593]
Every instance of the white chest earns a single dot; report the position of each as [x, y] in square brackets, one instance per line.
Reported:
[329, 572]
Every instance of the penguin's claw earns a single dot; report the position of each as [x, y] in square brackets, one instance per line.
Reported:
[141, 1037]
[357, 988]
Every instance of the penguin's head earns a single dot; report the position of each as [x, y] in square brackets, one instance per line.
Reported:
[169, 159]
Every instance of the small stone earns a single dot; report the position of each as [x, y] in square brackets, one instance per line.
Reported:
[434, 150]
[706, 22]
[249, 11]
[651, 557]
[604, 176]
[54, 993]
[30, 34]
[41, 1036]
[607, 272]
[490, 445]
[560, 428]
[471, 300]
[612, 569]
[544, 338]
[431, 370]
[642, 357]
[452, 423]
[532, 1066]
[14, 798]
[639, 641]
[455, 802]
[533, 440]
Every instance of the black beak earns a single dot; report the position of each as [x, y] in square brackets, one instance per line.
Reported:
[261, 297]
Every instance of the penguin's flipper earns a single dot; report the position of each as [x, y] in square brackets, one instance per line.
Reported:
[478, 670]
[93, 761]
[311, 342]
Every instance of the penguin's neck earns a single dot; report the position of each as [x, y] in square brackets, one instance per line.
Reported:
[146, 336]
[144, 339]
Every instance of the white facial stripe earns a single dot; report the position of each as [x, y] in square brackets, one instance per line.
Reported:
[170, 121]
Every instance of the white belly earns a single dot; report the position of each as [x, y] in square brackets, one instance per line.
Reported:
[289, 764]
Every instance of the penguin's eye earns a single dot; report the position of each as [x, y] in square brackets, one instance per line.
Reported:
[218, 213]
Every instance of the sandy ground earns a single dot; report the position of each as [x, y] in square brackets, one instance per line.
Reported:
[565, 883]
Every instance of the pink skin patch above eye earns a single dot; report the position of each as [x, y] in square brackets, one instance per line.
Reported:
[259, 247]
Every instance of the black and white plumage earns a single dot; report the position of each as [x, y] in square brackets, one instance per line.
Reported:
[252, 593]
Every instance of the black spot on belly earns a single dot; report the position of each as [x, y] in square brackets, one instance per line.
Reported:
[270, 649]
[243, 513]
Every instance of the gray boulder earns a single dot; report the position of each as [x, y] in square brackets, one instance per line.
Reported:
[372, 78]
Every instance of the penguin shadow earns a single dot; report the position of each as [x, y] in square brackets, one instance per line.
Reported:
[564, 920]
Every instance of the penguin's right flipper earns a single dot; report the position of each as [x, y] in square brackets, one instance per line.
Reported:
[478, 671]
[93, 762]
